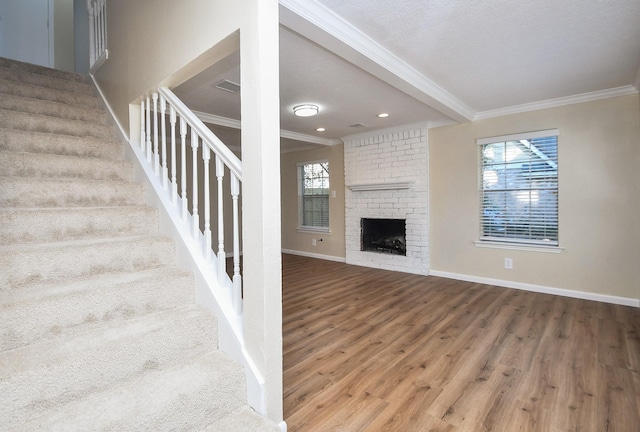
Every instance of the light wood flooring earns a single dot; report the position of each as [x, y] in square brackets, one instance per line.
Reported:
[373, 350]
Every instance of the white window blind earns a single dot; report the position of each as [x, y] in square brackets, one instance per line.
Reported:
[313, 194]
[519, 188]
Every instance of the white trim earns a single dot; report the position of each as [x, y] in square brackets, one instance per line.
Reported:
[313, 230]
[309, 138]
[379, 57]
[518, 136]
[518, 246]
[380, 186]
[314, 255]
[52, 34]
[605, 298]
[236, 124]
[103, 58]
[558, 102]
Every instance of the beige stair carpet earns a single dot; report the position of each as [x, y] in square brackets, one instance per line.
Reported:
[99, 328]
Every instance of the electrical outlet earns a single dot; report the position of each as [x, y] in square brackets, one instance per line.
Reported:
[314, 242]
[508, 263]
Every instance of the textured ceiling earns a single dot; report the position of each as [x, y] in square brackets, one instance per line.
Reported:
[498, 53]
[435, 61]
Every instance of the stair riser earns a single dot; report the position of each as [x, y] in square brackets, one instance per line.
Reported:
[56, 374]
[58, 311]
[52, 166]
[17, 192]
[47, 124]
[44, 81]
[52, 225]
[69, 261]
[35, 69]
[55, 109]
[44, 93]
[35, 142]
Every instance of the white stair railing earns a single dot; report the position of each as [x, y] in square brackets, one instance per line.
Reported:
[185, 180]
[98, 53]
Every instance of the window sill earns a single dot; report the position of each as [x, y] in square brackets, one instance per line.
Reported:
[319, 230]
[518, 246]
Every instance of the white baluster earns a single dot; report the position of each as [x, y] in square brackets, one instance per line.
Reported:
[142, 126]
[206, 156]
[183, 167]
[148, 129]
[222, 259]
[237, 278]
[163, 132]
[174, 183]
[194, 187]
[156, 156]
[92, 32]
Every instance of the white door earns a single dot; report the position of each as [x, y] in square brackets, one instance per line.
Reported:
[24, 31]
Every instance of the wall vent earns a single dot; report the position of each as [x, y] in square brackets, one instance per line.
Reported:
[228, 86]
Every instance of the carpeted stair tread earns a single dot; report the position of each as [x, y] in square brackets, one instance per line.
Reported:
[184, 397]
[43, 93]
[47, 81]
[242, 419]
[25, 265]
[42, 70]
[51, 108]
[57, 310]
[46, 376]
[37, 225]
[62, 166]
[36, 192]
[39, 142]
[50, 124]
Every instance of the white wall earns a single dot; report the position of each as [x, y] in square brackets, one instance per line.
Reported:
[599, 200]
[165, 42]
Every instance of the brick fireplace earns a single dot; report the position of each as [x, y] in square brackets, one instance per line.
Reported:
[386, 177]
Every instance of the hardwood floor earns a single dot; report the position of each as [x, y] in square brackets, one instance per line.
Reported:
[373, 350]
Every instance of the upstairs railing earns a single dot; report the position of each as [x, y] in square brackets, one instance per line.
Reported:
[98, 52]
[178, 148]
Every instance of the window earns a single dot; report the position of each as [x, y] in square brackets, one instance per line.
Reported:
[313, 195]
[519, 188]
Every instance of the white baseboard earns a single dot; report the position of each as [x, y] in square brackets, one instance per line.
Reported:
[625, 301]
[314, 255]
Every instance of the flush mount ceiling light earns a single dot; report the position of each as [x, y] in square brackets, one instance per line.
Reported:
[383, 115]
[306, 110]
[321, 129]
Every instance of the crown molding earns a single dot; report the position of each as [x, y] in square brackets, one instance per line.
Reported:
[236, 124]
[553, 103]
[328, 21]
[309, 138]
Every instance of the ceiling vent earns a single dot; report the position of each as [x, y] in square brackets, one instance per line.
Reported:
[357, 125]
[228, 86]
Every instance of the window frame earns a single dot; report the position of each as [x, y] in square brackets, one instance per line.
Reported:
[300, 180]
[514, 242]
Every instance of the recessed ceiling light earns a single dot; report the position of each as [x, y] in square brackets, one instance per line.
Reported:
[383, 115]
[306, 110]
[321, 129]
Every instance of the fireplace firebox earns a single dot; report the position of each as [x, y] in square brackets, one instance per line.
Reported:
[383, 236]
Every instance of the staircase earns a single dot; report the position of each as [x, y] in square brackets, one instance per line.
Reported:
[99, 328]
